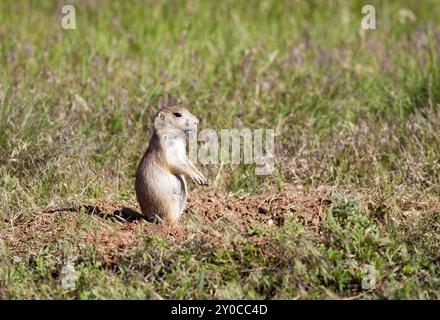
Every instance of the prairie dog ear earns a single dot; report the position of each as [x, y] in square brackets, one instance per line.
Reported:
[159, 120]
[161, 115]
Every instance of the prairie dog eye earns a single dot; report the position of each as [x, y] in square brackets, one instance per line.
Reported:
[177, 114]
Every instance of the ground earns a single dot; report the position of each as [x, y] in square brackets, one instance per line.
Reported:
[352, 210]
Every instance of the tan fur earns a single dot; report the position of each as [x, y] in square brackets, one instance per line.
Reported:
[160, 179]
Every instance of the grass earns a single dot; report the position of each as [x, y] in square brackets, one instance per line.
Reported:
[354, 110]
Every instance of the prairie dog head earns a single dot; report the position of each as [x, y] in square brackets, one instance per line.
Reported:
[172, 119]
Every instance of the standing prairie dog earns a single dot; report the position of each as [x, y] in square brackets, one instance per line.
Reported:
[160, 179]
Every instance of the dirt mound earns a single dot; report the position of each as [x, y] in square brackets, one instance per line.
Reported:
[268, 207]
[114, 226]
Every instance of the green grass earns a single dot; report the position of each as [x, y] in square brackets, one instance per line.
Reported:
[354, 110]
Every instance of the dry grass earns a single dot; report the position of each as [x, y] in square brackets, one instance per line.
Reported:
[357, 120]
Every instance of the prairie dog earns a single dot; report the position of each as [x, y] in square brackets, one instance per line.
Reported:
[160, 179]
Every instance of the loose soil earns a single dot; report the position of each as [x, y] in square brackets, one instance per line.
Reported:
[114, 226]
